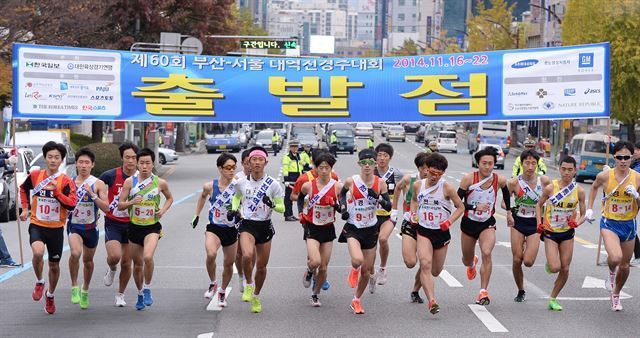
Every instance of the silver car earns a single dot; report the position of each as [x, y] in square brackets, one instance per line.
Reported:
[499, 163]
[396, 133]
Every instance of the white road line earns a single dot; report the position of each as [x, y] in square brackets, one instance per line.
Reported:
[213, 304]
[206, 335]
[330, 266]
[449, 279]
[487, 318]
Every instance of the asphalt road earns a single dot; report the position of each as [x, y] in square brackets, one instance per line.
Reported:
[180, 280]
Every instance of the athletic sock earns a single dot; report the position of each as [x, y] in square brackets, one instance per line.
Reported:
[40, 281]
[146, 286]
[49, 294]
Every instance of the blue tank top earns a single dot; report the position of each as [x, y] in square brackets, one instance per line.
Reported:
[84, 215]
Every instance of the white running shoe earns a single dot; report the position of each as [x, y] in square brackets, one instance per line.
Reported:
[372, 283]
[382, 276]
[615, 303]
[120, 300]
[108, 277]
[211, 291]
[610, 281]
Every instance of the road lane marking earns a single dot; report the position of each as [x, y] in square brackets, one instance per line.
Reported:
[213, 304]
[487, 318]
[206, 335]
[451, 281]
[582, 241]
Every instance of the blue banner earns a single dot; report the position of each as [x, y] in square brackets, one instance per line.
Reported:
[65, 83]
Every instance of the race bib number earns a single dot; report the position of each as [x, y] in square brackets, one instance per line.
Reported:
[144, 213]
[479, 216]
[430, 216]
[48, 209]
[559, 217]
[365, 215]
[526, 211]
[323, 214]
[220, 216]
[83, 213]
[619, 208]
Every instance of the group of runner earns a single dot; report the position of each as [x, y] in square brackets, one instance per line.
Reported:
[241, 206]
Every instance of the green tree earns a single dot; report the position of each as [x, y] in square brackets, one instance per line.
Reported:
[491, 28]
[409, 47]
[590, 21]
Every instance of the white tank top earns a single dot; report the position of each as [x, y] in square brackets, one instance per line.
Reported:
[480, 195]
[433, 207]
[362, 211]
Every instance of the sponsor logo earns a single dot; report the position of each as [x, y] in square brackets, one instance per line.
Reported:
[64, 86]
[585, 60]
[102, 97]
[541, 93]
[91, 107]
[517, 93]
[548, 105]
[34, 95]
[70, 66]
[77, 97]
[510, 106]
[30, 64]
[591, 91]
[57, 96]
[102, 88]
[38, 85]
[567, 105]
[570, 92]
[524, 63]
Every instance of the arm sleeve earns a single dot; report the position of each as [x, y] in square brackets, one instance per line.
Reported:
[506, 197]
[67, 196]
[235, 203]
[386, 201]
[343, 196]
[463, 196]
[279, 202]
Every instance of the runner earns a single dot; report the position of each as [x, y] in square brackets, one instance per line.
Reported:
[318, 217]
[258, 194]
[361, 232]
[386, 219]
[557, 223]
[246, 170]
[480, 190]
[49, 194]
[220, 231]
[116, 222]
[525, 240]
[141, 195]
[618, 224]
[408, 230]
[432, 210]
[91, 194]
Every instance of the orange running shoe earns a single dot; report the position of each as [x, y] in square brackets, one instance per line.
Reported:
[471, 271]
[483, 298]
[356, 307]
[434, 307]
[353, 277]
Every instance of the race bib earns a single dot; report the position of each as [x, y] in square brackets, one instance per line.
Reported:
[48, 209]
[430, 216]
[83, 213]
[365, 215]
[526, 211]
[479, 216]
[323, 214]
[144, 213]
[219, 216]
[619, 207]
[560, 216]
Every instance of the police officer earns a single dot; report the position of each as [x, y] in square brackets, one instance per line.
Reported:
[275, 142]
[305, 157]
[529, 144]
[292, 167]
[370, 142]
[432, 147]
[333, 141]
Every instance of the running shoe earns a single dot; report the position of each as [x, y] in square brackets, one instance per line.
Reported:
[306, 279]
[471, 271]
[37, 291]
[140, 303]
[521, 297]
[382, 276]
[356, 307]
[84, 299]
[75, 295]
[315, 302]
[211, 291]
[547, 268]
[326, 285]
[483, 298]
[610, 282]
[372, 283]
[353, 277]
[415, 298]
[434, 307]
[148, 300]
[256, 305]
[108, 277]
[553, 305]
[120, 300]
[50, 305]
[248, 293]
[615, 303]
[222, 299]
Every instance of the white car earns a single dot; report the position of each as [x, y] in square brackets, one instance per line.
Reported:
[364, 129]
[396, 133]
[500, 161]
[447, 141]
[166, 155]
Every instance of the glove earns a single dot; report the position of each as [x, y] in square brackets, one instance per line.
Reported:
[345, 215]
[631, 191]
[12, 160]
[572, 223]
[394, 215]
[268, 202]
[232, 215]
[444, 225]
[194, 221]
[606, 168]
[407, 216]
[589, 215]
[540, 228]
[372, 194]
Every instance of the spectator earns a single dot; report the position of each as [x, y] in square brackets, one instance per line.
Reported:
[5, 257]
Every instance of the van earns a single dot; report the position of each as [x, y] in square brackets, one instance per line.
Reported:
[35, 139]
[590, 153]
[494, 132]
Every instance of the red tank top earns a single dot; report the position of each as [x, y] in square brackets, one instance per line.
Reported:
[329, 199]
[114, 191]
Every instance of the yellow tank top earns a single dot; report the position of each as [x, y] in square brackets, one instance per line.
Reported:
[620, 206]
[556, 216]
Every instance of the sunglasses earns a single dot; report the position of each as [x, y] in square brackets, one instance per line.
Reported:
[229, 167]
[435, 173]
[366, 162]
[623, 157]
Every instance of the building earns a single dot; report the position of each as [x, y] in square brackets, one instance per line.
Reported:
[429, 22]
[456, 14]
[403, 22]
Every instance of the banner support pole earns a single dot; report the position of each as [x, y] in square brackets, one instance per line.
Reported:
[606, 163]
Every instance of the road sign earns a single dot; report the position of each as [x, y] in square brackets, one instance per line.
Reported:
[268, 44]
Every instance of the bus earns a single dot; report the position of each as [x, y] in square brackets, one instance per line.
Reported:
[493, 132]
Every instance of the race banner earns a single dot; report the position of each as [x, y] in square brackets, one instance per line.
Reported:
[63, 83]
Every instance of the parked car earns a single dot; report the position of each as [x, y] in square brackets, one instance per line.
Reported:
[396, 133]
[411, 127]
[35, 139]
[166, 155]
[223, 142]
[420, 134]
[447, 141]
[364, 129]
[263, 139]
[499, 163]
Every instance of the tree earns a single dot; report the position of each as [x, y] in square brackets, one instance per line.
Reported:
[491, 28]
[409, 47]
[590, 21]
